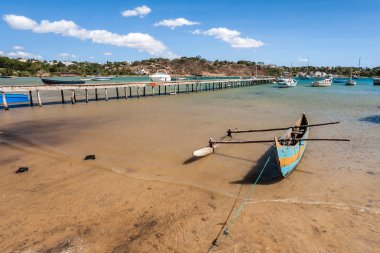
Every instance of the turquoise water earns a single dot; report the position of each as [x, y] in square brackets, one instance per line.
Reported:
[37, 80]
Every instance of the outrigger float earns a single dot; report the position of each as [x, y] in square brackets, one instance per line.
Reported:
[289, 148]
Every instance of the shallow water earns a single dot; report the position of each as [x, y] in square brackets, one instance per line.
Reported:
[153, 138]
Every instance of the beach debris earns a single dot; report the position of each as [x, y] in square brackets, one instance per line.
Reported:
[89, 157]
[22, 170]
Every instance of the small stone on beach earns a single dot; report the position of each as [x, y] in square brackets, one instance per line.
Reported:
[89, 157]
[22, 169]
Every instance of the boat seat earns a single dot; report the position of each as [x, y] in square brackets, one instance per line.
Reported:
[297, 132]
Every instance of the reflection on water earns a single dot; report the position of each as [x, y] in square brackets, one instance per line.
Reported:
[372, 119]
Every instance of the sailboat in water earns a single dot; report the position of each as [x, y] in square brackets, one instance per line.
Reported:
[350, 81]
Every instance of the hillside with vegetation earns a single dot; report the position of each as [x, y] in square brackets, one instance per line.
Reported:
[176, 67]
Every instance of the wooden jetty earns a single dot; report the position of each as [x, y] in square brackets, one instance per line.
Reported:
[131, 89]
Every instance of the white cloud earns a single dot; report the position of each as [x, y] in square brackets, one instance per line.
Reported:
[24, 55]
[140, 41]
[107, 53]
[140, 11]
[232, 37]
[18, 48]
[19, 22]
[1, 52]
[173, 23]
[91, 57]
[67, 55]
[302, 59]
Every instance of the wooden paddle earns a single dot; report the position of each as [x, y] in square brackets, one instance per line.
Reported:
[229, 131]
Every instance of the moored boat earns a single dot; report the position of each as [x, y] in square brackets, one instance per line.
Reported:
[376, 81]
[101, 78]
[290, 147]
[286, 82]
[58, 81]
[339, 80]
[14, 98]
[160, 76]
[322, 83]
[350, 81]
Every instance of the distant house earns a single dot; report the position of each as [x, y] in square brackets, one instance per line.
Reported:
[320, 74]
[21, 60]
[68, 63]
[142, 72]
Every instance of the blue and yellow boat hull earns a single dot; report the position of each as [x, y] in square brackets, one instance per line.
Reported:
[289, 154]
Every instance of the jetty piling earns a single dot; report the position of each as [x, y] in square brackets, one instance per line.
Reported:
[30, 98]
[178, 87]
[5, 101]
[39, 98]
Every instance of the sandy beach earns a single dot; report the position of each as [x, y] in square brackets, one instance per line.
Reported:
[144, 193]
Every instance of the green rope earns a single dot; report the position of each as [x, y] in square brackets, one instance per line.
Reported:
[252, 187]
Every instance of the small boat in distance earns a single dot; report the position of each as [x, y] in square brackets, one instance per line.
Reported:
[286, 82]
[339, 80]
[160, 76]
[58, 81]
[101, 78]
[376, 81]
[291, 146]
[1, 76]
[179, 79]
[322, 83]
[350, 81]
[14, 98]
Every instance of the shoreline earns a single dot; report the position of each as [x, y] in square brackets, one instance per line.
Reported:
[132, 197]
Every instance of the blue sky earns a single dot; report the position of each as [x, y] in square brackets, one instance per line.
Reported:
[328, 33]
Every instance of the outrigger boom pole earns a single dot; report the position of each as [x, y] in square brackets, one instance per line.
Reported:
[211, 142]
[229, 131]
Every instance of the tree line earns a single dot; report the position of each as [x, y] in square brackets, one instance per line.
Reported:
[179, 66]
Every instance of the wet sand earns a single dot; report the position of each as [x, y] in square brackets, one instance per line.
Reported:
[144, 193]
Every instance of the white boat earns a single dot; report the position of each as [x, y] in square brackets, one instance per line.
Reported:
[286, 82]
[322, 83]
[160, 76]
[376, 81]
[101, 78]
[350, 81]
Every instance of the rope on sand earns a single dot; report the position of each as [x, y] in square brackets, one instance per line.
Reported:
[238, 211]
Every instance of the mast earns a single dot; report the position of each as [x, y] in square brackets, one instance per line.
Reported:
[291, 66]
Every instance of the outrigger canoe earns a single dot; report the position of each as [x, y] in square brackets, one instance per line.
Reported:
[290, 147]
